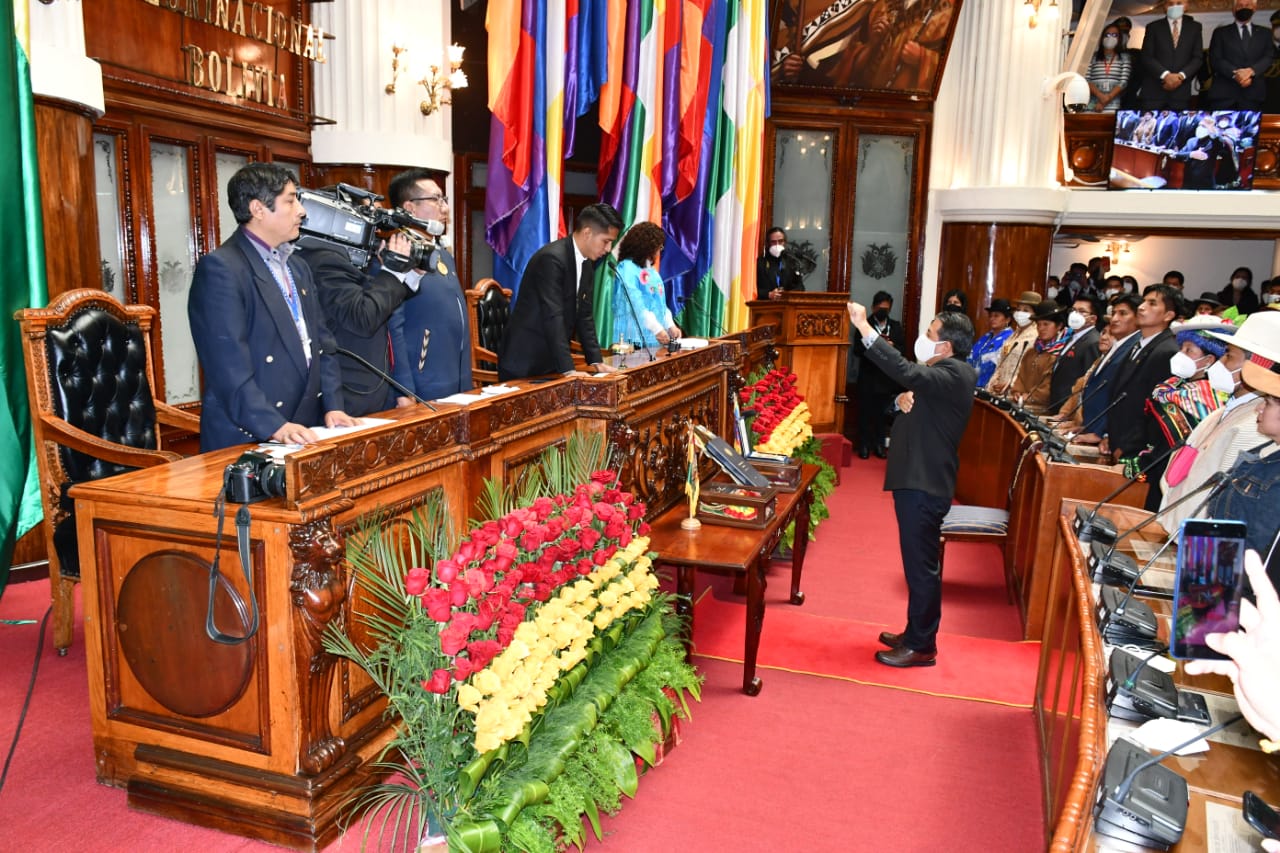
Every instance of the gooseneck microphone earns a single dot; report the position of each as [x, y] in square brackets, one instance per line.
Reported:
[1084, 398]
[626, 292]
[1212, 482]
[1085, 427]
[384, 376]
[1016, 366]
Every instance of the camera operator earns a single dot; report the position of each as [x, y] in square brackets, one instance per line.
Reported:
[267, 355]
[358, 305]
[431, 334]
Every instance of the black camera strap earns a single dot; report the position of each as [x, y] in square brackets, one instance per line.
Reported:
[242, 540]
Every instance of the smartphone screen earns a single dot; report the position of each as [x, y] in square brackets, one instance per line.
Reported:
[1261, 816]
[1207, 587]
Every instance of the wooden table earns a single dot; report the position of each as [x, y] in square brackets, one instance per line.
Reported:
[739, 552]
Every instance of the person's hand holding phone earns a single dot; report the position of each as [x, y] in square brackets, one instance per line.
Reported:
[1254, 653]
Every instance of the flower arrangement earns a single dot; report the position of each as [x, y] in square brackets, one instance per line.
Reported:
[780, 424]
[535, 646]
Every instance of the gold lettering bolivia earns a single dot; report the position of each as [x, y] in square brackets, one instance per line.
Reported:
[218, 72]
[254, 20]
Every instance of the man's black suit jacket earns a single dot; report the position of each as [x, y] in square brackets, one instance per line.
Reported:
[924, 453]
[357, 307]
[1228, 53]
[1072, 364]
[256, 376]
[1136, 378]
[550, 310]
[776, 274]
[1159, 55]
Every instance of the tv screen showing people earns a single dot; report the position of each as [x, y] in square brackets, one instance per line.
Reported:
[1184, 150]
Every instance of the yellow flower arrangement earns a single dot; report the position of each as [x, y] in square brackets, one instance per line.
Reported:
[793, 431]
[504, 695]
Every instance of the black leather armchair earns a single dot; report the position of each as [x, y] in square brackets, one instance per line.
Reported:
[94, 415]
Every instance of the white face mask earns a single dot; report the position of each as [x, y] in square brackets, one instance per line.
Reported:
[925, 349]
[1182, 365]
[1239, 283]
[1173, 12]
[1053, 292]
[1269, 298]
[1022, 318]
[1114, 291]
[1110, 41]
[1221, 379]
[1202, 132]
[776, 250]
[1075, 321]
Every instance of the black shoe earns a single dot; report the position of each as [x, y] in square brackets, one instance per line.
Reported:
[881, 453]
[903, 657]
[863, 453]
[893, 641]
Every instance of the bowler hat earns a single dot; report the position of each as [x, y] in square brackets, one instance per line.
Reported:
[1000, 306]
[1209, 298]
[1275, 17]
[1049, 310]
[1029, 297]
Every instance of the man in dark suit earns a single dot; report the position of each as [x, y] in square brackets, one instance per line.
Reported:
[775, 269]
[923, 461]
[267, 355]
[1172, 51]
[876, 390]
[1128, 424]
[1097, 394]
[1239, 54]
[357, 306]
[554, 302]
[1203, 155]
[1081, 351]
[431, 334]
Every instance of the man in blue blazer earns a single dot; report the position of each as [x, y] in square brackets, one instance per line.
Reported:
[1239, 54]
[554, 304]
[1168, 68]
[270, 371]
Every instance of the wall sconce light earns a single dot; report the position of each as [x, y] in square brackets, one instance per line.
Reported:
[1034, 6]
[396, 50]
[440, 83]
[1117, 247]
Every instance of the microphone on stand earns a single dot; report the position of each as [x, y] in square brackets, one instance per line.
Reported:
[1084, 398]
[617, 282]
[1002, 400]
[1122, 564]
[1155, 812]
[1085, 427]
[716, 327]
[1137, 691]
[383, 375]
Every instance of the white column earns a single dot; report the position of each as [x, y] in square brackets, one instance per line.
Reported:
[373, 126]
[59, 67]
[995, 143]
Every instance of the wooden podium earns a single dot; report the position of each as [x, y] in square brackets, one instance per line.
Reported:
[812, 339]
[270, 738]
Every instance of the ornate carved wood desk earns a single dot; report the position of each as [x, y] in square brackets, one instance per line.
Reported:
[270, 737]
[812, 339]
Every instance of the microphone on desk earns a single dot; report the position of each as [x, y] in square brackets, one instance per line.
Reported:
[383, 375]
[612, 265]
[1002, 400]
[1137, 691]
[1155, 812]
[1108, 561]
[1093, 420]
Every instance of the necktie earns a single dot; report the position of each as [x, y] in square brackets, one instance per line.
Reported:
[1177, 27]
[1244, 32]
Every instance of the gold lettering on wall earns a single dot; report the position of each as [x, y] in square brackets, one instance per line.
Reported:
[280, 30]
[220, 17]
[222, 74]
[237, 25]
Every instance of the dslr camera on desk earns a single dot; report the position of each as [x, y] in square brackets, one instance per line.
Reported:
[253, 477]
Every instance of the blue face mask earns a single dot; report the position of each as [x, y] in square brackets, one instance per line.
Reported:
[1173, 12]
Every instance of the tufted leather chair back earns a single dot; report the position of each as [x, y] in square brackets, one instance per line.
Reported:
[493, 309]
[98, 383]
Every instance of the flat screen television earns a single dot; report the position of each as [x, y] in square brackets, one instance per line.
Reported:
[1184, 150]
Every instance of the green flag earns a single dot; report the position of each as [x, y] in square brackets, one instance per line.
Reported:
[22, 274]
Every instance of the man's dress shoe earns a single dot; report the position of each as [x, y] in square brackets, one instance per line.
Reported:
[863, 453]
[881, 453]
[904, 657]
[893, 641]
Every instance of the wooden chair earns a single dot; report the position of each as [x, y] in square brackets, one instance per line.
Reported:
[967, 523]
[93, 412]
[490, 305]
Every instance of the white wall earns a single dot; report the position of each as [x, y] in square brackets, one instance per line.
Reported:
[1206, 262]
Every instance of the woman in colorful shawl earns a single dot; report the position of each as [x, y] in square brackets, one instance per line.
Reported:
[1031, 387]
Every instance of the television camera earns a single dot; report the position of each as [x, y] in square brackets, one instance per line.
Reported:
[347, 219]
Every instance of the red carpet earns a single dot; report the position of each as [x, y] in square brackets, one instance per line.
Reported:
[860, 758]
[968, 667]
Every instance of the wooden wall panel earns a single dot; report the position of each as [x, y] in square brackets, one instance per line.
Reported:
[990, 259]
[64, 136]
